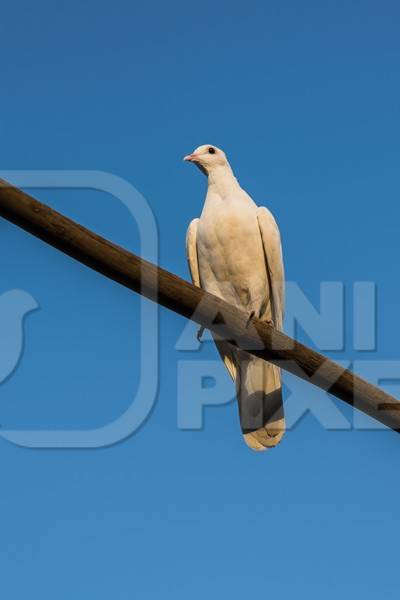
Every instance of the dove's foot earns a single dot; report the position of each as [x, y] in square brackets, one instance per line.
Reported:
[251, 316]
[200, 333]
[270, 322]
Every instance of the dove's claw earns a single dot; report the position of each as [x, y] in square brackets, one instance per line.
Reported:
[200, 333]
[251, 316]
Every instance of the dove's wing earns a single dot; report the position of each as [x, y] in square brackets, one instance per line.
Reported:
[271, 240]
[225, 349]
[191, 251]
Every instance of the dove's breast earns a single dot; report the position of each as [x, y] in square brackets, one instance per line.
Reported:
[231, 255]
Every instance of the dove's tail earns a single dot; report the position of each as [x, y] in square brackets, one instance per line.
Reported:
[259, 394]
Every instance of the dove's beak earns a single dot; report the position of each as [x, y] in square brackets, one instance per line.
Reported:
[190, 157]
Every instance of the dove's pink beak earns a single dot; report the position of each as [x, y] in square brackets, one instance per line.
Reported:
[190, 157]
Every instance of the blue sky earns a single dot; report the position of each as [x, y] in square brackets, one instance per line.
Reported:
[304, 97]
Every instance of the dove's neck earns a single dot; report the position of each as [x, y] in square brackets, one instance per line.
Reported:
[222, 181]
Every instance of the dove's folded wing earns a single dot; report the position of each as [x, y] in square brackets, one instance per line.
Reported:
[191, 252]
[225, 349]
[273, 255]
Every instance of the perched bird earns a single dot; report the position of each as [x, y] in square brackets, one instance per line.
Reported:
[234, 251]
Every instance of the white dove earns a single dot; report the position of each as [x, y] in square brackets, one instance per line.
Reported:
[234, 251]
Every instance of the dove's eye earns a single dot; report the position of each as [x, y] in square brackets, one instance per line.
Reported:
[211, 150]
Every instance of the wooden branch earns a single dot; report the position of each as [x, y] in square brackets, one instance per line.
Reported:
[193, 303]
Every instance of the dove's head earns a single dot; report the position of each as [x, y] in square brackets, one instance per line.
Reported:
[208, 158]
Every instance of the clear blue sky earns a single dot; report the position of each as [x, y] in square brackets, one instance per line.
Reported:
[304, 97]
